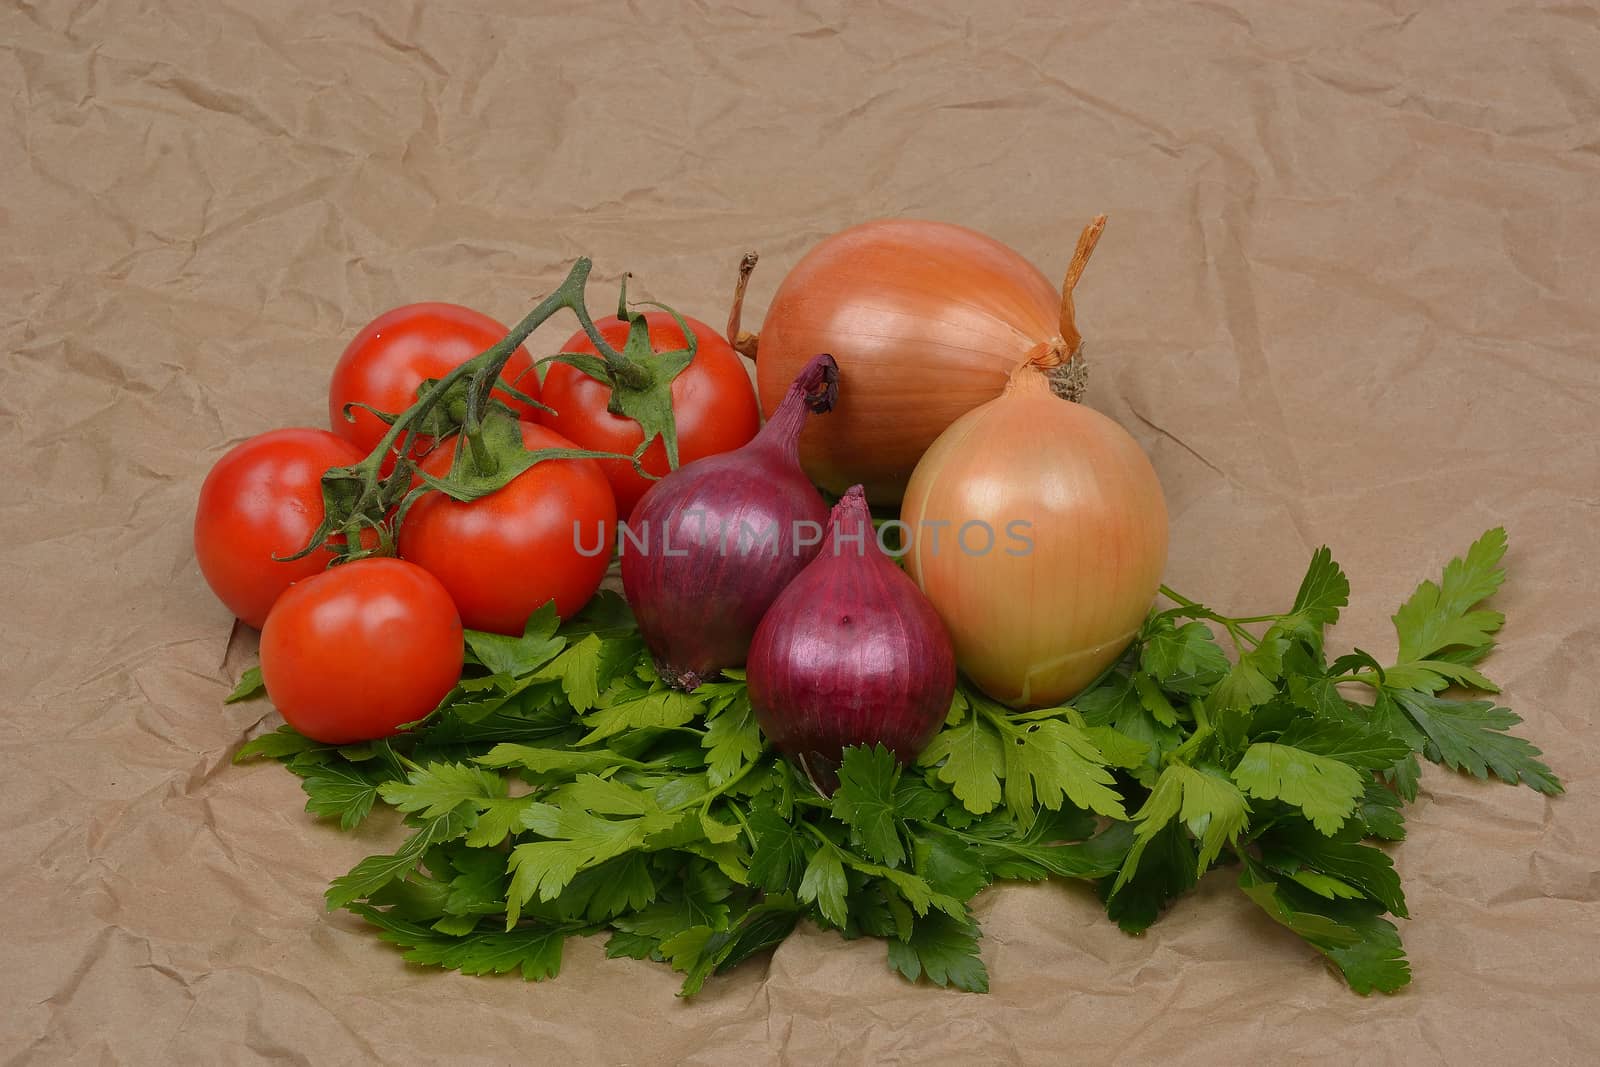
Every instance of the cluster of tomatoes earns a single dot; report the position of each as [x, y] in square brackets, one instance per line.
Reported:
[352, 652]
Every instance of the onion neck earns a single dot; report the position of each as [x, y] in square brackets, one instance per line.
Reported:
[1070, 339]
[1061, 359]
[850, 526]
[1031, 377]
[814, 390]
[743, 341]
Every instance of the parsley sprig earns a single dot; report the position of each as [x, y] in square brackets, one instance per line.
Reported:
[561, 791]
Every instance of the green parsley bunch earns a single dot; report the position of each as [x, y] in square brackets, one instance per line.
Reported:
[561, 790]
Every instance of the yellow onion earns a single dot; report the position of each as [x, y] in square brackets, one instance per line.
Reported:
[1039, 532]
[927, 320]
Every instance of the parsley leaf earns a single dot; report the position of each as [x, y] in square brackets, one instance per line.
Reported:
[442, 787]
[556, 760]
[1319, 695]
[1184, 659]
[1213, 809]
[731, 740]
[532, 949]
[824, 884]
[1211, 806]
[657, 710]
[944, 949]
[1290, 846]
[1350, 741]
[1437, 617]
[1051, 846]
[1379, 813]
[779, 854]
[1325, 789]
[949, 866]
[1323, 592]
[1441, 636]
[1252, 681]
[477, 886]
[577, 668]
[341, 790]
[519, 656]
[574, 839]
[971, 761]
[250, 687]
[1471, 735]
[375, 872]
[1167, 868]
[865, 802]
[281, 744]
[1050, 761]
[1352, 934]
[700, 951]
[615, 887]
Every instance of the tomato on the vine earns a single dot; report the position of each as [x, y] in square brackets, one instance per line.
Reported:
[400, 349]
[264, 499]
[546, 535]
[713, 404]
[360, 650]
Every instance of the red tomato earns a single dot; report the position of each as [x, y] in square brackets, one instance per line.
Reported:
[356, 652]
[713, 404]
[399, 350]
[264, 499]
[547, 535]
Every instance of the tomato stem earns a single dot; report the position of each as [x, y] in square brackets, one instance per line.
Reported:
[360, 497]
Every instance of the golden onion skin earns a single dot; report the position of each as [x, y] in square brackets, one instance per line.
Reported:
[927, 321]
[1033, 628]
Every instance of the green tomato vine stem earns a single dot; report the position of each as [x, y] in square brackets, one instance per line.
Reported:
[360, 499]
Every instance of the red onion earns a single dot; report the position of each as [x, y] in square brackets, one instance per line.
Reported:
[851, 653]
[709, 547]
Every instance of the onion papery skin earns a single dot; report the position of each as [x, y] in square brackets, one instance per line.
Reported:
[1032, 628]
[850, 654]
[698, 567]
[927, 321]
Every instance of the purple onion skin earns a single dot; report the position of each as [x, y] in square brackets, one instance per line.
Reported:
[851, 653]
[703, 582]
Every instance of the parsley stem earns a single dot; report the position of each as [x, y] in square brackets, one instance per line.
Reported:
[848, 858]
[1195, 610]
[816, 832]
[709, 796]
[1179, 599]
[1202, 733]
[1002, 722]
[739, 815]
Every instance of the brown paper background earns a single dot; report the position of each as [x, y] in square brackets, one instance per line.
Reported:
[1348, 294]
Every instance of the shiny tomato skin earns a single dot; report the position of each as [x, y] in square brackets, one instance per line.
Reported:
[713, 403]
[264, 499]
[400, 349]
[356, 652]
[505, 555]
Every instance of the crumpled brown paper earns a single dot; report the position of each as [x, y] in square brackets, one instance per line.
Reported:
[1347, 295]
